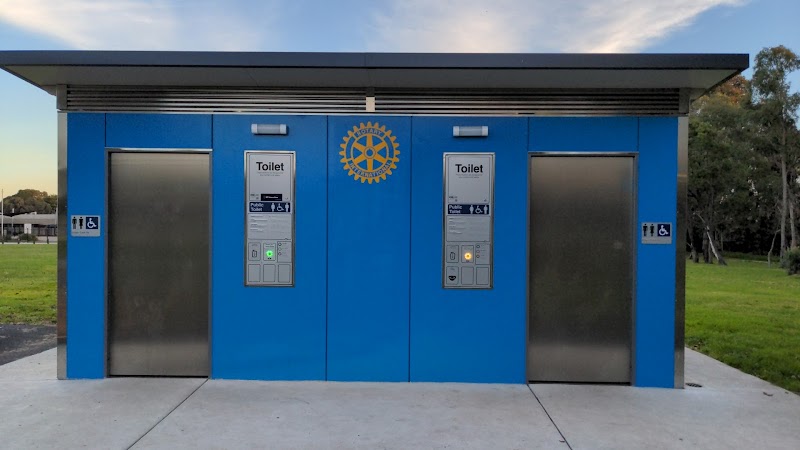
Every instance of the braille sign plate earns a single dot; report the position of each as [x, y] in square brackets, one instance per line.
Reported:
[656, 233]
[84, 226]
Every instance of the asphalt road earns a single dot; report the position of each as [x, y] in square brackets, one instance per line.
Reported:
[19, 341]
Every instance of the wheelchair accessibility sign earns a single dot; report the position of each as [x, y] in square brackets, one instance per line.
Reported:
[84, 226]
[656, 233]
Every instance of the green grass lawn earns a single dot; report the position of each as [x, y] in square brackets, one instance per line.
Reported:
[747, 316]
[28, 283]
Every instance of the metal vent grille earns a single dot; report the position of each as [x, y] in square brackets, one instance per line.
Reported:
[355, 101]
[215, 100]
[527, 103]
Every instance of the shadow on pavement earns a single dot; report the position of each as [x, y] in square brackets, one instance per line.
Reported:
[19, 341]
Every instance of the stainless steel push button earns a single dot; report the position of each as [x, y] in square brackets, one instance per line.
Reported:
[451, 275]
[467, 253]
[452, 254]
[269, 252]
[269, 273]
[482, 276]
[254, 251]
[467, 275]
[284, 273]
[254, 273]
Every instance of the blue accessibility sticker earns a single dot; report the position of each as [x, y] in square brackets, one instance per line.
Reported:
[92, 222]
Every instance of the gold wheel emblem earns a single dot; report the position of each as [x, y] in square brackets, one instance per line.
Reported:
[369, 152]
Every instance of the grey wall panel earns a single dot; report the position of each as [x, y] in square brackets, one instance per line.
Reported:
[61, 277]
[581, 268]
[680, 249]
[158, 264]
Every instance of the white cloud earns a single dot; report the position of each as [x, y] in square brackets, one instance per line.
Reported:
[603, 26]
[390, 25]
[137, 24]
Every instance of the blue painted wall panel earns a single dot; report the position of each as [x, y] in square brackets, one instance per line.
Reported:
[269, 333]
[158, 130]
[368, 302]
[458, 334]
[609, 134]
[655, 283]
[86, 290]
[368, 261]
[583, 134]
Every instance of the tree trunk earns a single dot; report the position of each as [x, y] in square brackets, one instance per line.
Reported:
[769, 254]
[784, 203]
[717, 254]
[792, 227]
[693, 255]
[792, 222]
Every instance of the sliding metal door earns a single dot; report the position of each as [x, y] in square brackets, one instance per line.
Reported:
[158, 264]
[581, 268]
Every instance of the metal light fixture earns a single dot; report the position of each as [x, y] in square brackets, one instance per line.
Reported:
[472, 131]
[269, 128]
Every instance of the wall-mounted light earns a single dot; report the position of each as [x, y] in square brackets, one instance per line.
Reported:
[269, 128]
[477, 131]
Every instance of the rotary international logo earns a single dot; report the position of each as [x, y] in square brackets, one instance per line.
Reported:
[369, 152]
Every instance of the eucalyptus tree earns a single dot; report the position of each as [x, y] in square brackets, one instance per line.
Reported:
[721, 188]
[775, 110]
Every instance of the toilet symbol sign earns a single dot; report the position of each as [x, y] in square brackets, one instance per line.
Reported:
[84, 226]
[656, 233]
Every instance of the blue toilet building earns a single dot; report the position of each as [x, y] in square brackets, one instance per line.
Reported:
[490, 218]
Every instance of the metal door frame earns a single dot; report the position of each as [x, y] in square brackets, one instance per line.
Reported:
[109, 151]
[634, 243]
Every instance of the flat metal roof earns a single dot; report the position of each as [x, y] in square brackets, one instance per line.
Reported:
[694, 72]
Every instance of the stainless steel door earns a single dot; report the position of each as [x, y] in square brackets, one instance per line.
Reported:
[158, 264]
[581, 268]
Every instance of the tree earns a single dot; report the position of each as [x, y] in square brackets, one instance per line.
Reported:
[776, 127]
[29, 201]
[721, 190]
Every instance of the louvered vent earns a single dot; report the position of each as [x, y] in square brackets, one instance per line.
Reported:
[530, 103]
[215, 100]
[354, 101]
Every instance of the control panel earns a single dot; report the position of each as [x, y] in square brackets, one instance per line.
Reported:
[468, 220]
[269, 218]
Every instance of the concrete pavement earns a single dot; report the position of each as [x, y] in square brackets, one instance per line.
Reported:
[731, 410]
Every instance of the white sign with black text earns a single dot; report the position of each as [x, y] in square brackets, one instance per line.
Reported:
[468, 220]
[269, 218]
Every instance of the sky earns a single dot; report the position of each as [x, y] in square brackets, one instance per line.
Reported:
[28, 115]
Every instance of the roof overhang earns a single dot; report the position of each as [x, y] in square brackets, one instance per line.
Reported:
[693, 73]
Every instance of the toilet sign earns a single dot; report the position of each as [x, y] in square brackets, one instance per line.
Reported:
[84, 226]
[656, 233]
[269, 218]
[468, 220]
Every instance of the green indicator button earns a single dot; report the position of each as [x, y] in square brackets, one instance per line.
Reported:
[269, 253]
